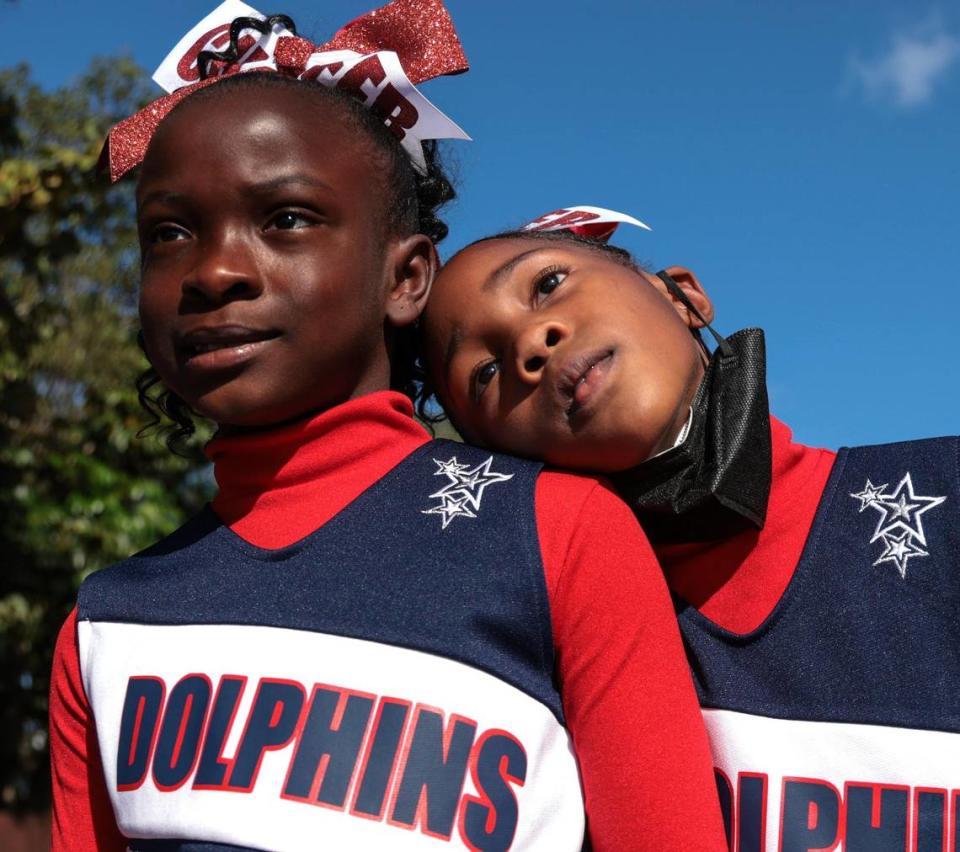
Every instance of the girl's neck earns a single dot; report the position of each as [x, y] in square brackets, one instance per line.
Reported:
[278, 484]
[228, 430]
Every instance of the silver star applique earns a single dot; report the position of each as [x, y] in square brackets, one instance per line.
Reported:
[902, 510]
[871, 494]
[462, 494]
[899, 526]
[899, 550]
[449, 468]
[451, 507]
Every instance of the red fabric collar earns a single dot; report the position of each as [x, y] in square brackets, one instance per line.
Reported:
[737, 581]
[279, 485]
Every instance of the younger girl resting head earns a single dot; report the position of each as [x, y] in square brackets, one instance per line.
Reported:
[523, 358]
[370, 640]
[818, 591]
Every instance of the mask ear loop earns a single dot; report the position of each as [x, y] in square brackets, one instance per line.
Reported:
[674, 289]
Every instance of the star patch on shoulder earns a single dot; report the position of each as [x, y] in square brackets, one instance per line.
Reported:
[461, 496]
[900, 525]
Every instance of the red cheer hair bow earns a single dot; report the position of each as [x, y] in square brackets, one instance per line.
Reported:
[379, 56]
[595, 223]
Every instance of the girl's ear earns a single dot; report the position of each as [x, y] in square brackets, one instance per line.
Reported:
[693, 290]
[413, 266]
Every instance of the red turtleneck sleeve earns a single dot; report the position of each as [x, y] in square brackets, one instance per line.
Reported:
[82, 814]
[628, 698]
[627, 693]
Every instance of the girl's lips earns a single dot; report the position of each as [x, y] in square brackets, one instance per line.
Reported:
[582, 379]
[226, 356]
[221, 347]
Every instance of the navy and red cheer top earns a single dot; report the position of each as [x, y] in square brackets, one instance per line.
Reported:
[825, 653]
[375, 641]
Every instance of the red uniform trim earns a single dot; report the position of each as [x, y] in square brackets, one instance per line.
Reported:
[82, 814]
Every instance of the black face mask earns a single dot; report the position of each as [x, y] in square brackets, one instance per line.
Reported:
[717, 481]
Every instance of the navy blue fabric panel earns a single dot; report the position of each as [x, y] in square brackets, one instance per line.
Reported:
[867, 630]
[384, 569]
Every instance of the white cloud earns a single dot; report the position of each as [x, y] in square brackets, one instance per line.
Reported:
[915, 62]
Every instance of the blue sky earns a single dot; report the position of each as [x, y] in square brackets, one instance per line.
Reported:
[801, 158]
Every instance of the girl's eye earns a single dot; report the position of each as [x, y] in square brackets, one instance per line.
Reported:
[167, 233]
[482, 377]
[288, 220]
[548, 281]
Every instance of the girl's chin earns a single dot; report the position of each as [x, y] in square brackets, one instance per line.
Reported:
[230, 412]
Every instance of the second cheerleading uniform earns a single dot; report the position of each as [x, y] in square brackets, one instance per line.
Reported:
[824, 651]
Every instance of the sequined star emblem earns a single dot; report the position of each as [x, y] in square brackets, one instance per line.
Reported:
[899, 550]
[462, 494]
[900, 525]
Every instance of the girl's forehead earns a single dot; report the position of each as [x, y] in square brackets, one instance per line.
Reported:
[493, 259]
[245, 137]
[482, 258]
[471, 289]
[286, 111]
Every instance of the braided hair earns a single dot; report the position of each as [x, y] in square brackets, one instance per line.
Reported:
[411, 201]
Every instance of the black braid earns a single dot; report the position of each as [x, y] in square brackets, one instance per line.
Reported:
[232, 53]
[411, 204]
[433, 189]
[165, 404]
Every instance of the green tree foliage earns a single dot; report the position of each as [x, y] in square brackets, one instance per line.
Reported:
[78, 490]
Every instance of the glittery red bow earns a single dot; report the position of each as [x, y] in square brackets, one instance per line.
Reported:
[420, 32]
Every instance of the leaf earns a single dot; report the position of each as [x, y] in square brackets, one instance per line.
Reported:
[78, 488]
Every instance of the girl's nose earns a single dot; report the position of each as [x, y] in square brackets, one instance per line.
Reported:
[224, 272]
[535, 346]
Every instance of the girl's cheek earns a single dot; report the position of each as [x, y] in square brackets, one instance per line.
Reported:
[157, 338]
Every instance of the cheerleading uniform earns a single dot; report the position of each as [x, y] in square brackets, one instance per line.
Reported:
[823, 649]
[362, 644]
